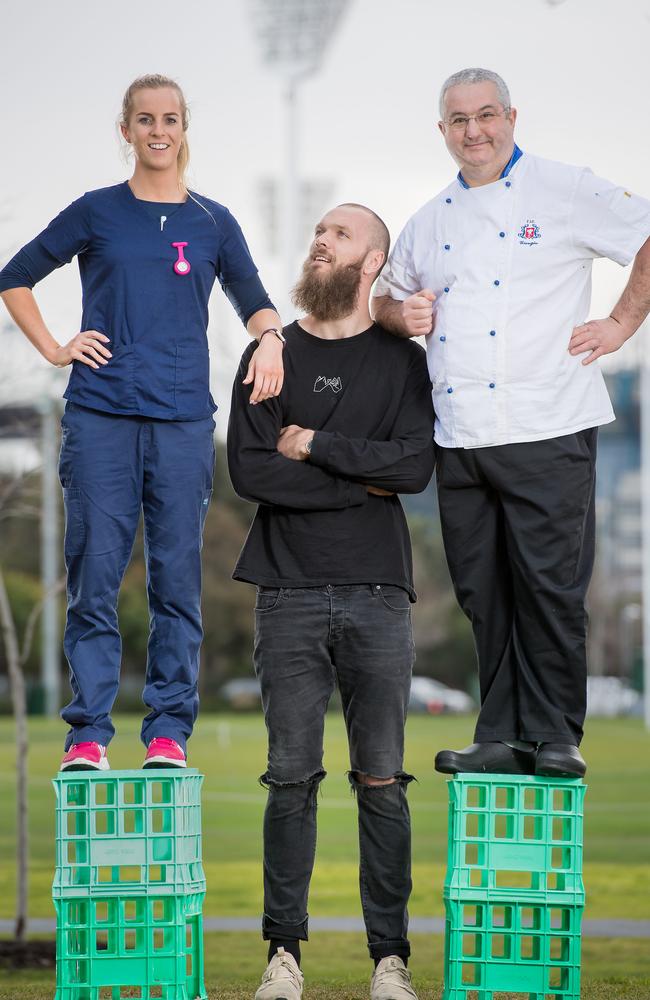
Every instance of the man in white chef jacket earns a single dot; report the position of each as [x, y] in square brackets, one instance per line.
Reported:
[496, 271]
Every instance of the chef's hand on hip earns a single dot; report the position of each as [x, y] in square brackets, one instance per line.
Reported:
[87, 347]
[417, 313]
[598, 337]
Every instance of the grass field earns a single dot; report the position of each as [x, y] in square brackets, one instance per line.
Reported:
[337, 968]
[230, 750]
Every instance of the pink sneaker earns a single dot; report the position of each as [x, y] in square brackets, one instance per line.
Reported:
[163, 752]
[85, 757]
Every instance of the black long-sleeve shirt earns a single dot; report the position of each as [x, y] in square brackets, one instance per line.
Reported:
[368, 399]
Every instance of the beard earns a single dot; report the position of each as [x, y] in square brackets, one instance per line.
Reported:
[331, 296]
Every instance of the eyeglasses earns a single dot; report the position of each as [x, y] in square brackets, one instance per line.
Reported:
[485, 118]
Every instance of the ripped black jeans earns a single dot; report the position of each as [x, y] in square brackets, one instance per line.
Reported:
[305, 638]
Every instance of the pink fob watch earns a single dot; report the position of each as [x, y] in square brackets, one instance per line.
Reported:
[181, 266]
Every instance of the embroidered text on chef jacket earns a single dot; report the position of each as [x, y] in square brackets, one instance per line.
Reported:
[510, 265]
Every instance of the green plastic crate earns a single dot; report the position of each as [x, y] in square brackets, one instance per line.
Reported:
[122, 945]
[515, 836]
[527, 951]
[128, 831]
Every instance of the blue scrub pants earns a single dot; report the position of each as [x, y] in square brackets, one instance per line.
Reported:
[111, 468]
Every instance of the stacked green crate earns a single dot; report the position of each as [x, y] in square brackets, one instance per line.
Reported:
[514, 893]
[129, 885]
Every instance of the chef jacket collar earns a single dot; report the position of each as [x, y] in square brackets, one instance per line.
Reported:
[516, 154]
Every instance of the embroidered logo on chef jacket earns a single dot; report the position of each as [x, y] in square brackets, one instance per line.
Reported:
[322, 382]
[529, 234]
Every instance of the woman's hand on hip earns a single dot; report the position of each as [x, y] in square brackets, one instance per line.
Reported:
[87, 347]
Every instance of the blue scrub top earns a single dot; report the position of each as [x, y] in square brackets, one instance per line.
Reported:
[156, 319]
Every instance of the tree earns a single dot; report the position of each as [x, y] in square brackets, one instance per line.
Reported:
[17, 500]
[16, 657]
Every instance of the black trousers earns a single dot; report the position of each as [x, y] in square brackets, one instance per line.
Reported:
[518, 527]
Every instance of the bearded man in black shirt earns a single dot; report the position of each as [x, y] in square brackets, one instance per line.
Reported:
[330, 553]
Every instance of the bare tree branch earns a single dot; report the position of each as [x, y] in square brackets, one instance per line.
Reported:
[34, 615]
[19, 702]
[25, 511]
[11, 490]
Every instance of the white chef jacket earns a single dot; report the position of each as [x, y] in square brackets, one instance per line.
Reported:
[510, 264]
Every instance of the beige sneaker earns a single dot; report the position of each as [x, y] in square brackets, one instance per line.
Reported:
[282, 979]
[392, 981]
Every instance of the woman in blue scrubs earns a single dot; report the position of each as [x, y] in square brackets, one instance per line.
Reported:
[137, 433]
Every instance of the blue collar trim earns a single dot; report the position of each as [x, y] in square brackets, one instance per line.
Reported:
[516, 155]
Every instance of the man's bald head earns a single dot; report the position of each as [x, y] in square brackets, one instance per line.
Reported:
[378, 235]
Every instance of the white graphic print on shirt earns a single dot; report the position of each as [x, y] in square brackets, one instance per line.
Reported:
[322, 382]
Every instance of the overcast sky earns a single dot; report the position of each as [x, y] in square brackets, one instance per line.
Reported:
[576, 69]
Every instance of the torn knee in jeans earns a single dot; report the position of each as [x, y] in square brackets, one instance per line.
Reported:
[358, 779]
[313, 780]
[372, 780]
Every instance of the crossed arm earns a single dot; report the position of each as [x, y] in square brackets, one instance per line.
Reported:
[268, 462]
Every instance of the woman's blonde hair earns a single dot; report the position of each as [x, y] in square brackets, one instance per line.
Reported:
[154, 81]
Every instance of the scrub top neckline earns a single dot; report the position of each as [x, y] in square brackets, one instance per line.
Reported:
[140, 207]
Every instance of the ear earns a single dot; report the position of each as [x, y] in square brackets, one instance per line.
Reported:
[513, 115]
[373, 261]
[441, 126]
[125, 133]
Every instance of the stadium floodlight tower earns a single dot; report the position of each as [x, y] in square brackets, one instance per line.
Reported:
[293, 35]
